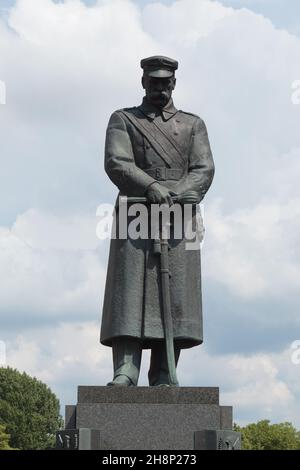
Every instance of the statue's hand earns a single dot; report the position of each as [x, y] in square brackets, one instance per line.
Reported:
[189, 197]
[158, 194]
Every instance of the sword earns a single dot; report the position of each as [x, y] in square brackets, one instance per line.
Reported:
[161, 247]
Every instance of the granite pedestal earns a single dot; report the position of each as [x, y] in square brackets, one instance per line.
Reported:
[148, 418]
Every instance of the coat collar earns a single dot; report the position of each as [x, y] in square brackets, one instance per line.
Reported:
[152, 112]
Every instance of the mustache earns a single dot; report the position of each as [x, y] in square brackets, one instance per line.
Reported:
[158, 94]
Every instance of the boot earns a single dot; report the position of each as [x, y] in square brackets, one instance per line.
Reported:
[158, 374]
[127, 355]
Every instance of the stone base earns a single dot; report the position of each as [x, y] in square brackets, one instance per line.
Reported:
[218, 440]
[78, 439]
[148, 418]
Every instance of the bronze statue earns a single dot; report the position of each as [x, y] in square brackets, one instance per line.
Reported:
[159, 153]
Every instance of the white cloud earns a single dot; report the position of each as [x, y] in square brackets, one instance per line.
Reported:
[276, 10]
[66, 68]
[2, 92]
[62, 85]
[50, 267]
[259, 386]
[72, 350]
[188, 21]
[44, 231]
[254, 252]
[63, 356]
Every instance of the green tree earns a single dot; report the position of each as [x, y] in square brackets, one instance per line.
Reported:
[4, 439]
[266, 436]
[29, 410]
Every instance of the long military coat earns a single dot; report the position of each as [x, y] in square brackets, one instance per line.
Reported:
[132, 300]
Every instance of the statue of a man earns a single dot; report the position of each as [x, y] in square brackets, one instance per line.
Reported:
[156, 151]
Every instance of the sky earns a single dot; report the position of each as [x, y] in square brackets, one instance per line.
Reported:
[66, 67]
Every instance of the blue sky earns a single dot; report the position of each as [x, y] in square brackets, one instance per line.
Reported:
[66, 68]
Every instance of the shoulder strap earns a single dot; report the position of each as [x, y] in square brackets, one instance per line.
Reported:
[169, 137]
[159, 140]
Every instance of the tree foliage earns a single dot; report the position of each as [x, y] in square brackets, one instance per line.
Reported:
[266, 436]
[29, 410]
[4, 439]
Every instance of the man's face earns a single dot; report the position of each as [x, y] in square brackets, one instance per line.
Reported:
[158, 90]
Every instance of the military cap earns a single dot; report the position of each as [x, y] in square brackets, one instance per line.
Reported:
[159, 66]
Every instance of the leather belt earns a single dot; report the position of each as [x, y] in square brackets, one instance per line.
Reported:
[162, 173]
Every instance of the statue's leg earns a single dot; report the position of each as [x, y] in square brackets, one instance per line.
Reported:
[127, 355]
[158, 372]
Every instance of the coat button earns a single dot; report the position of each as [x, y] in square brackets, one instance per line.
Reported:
[175, 133]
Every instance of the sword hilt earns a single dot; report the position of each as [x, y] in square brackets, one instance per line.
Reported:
[190, 197]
